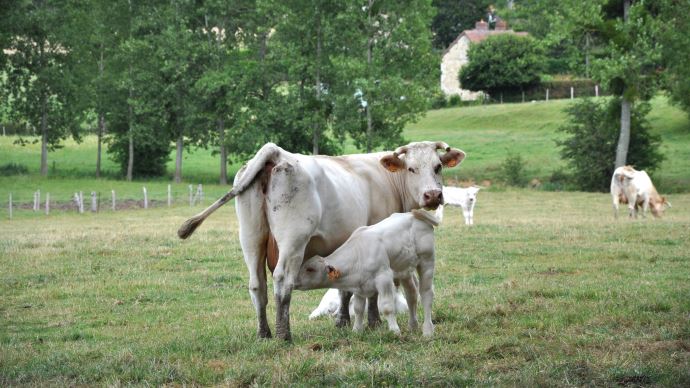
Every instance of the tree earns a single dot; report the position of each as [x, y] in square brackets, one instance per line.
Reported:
[674, 30]
[593, 129]
[41, 74]
[630, 68]
[502, 63]
[453, 17]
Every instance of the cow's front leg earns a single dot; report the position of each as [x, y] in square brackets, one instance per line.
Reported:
[358, 301]
[373, 316]
[343, 319]
[426, 290]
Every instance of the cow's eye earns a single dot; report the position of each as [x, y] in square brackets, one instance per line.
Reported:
[411, 170]
[309, 269]
[437, 170]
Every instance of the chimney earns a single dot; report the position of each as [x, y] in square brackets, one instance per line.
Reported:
[481, 25]
[501, 25]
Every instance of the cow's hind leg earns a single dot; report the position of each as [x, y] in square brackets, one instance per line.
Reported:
[253, 238]
[373, 316]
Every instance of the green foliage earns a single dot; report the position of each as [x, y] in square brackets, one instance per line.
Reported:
[502, 63]
[151, 151]
[453, 17]
[673, 36]
[513, 170]
[13, 169]
[593, 135]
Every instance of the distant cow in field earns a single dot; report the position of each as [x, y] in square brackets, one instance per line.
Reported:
[465, 198]
[373, 258]
[291, 207]
[636, 189]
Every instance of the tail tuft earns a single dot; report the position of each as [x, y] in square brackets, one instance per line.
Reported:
[189, 226]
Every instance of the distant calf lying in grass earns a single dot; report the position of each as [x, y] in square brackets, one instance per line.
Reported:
[636, 189]
[330, 304]
[372, 258]
[458, 196]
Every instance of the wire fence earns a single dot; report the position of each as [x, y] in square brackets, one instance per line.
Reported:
[100, 201]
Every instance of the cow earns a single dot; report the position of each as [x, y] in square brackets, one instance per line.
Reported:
[636, 189]
[370, 261]
[291, 207]
[465, 198]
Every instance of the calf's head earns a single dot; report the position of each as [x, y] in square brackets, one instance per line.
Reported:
[316, 273]
[420, 165]
[472, 193]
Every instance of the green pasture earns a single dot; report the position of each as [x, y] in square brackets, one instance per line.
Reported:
[547, 289]
[488, 134]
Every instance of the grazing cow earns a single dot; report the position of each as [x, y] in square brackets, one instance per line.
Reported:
[463, 197]
[330, 304]
[636, 189]
[292, 206]
[373, 258]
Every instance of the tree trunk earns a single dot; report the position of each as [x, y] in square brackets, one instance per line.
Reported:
[101, 131]
[130, 150]
[317, 124]
[44, 137]
[178, 159]
[223, 153]
[624, 138]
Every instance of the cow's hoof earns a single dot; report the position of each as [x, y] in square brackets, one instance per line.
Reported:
[342, 322]
[265, 333]
[287, 337]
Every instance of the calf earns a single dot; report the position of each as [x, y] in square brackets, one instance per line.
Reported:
[636, 189]
[330, 304]
[463, 197]
[372, 258]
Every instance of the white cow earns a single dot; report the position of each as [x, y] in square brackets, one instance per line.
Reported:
[636, 189]
[373, 258]
[330, 304]
[292, 206]
[465, 198]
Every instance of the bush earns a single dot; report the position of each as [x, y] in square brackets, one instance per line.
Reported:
[590, 150]
[513, 170]
[13, 169]
[503, 63]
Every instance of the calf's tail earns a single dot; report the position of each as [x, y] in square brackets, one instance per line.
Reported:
[264, 159]
[426, 217]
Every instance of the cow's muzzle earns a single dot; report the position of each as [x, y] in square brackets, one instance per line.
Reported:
[432, 199]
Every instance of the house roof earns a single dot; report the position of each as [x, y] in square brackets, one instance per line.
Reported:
[481, 31]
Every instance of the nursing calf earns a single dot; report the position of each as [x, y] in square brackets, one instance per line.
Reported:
[636, 189]
[372, 258]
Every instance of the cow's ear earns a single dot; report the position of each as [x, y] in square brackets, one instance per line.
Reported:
[332, 272]
[453, 157]
[392, 162]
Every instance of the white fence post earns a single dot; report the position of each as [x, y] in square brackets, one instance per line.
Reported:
[169, 196]
[596, 90]
[47, 203]
[10, 206]
[146, 199]
[112, 192]
[81, 202]
[191, 196]
[199, 194]
[94, 204]
[572, 92]
[547, 94]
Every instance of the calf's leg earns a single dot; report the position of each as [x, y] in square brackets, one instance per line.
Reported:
[359, 302]
[410, 287]
[426, 290]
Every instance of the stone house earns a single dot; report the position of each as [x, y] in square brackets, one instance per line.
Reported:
[455, 57]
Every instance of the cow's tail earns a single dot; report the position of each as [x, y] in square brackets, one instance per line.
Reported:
[426, 217]
[265, 158]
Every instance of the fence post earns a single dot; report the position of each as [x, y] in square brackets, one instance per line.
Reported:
[10, 206]
[169, 196]
[76, 200]
[112, 192]
[94, 207]
[191, 198]
[523, 96]
[146, 199]
[81, 202]
[596, 90]
[547, 94]
[572, 92]
[199, 193]
[47, 203]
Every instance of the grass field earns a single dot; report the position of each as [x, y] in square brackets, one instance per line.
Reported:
[487, 133]
[546, 289]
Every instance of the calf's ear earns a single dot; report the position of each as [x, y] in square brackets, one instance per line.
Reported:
[332, 272]
[453, 157]
[392, 162]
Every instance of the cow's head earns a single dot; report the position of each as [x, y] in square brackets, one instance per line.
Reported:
[315, 273]
[420, 166]
[658, 206]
